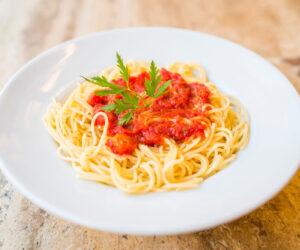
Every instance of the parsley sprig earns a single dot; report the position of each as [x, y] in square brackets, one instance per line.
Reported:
[130, 100]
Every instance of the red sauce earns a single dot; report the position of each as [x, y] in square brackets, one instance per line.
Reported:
[177, 114]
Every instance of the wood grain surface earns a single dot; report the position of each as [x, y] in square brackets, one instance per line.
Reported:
[271, 28]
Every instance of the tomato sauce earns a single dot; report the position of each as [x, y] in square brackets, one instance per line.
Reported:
[177, 114]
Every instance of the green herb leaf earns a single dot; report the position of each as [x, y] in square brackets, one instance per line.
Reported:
[109, 107]
[127, 97]
[153, 71]
[126, 118]
[109, 92]
[102, 82]
[123, 69]
[131, 99]
[151, 85]
[135, 100]
[148, 87]
[121, 106]
[162, 88]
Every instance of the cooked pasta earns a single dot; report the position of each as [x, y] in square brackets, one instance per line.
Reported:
[172, 165]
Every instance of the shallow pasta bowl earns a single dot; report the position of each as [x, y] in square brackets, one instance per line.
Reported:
[28, 154]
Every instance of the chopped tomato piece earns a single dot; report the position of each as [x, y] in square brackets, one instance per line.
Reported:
[199, 93]
[100, 120]
[95, 99]
[165, 75]
[120, 82]
[122, 144]
[137, 83]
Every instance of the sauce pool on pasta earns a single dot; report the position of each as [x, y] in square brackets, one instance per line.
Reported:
[178, 114]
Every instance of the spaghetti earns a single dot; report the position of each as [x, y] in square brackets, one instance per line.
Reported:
[150, 167]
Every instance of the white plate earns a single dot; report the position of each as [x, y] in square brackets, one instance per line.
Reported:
[28, 154]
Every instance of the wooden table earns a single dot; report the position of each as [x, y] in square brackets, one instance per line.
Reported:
[271, 28]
